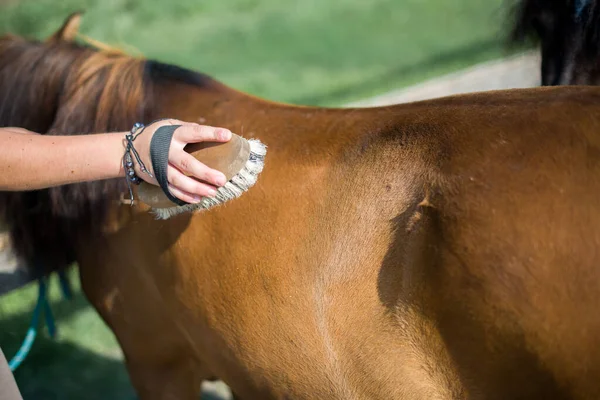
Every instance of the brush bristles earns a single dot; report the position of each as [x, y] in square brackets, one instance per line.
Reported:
[234, 188]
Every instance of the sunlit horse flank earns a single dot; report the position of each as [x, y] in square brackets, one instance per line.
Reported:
[445, 249]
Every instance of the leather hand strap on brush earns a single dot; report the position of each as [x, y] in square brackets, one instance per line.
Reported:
[159, 154]
[241, 161]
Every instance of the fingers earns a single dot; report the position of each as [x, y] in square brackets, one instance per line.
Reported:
[188, 186]
[182, 195]
[193, 133]
[189, 165]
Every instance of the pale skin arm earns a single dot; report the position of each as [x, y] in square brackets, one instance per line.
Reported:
[30, 161]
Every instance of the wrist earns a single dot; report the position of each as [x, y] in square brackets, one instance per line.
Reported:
[115, 148]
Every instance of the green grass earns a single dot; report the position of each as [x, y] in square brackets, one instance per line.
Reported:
[319, 52]
[83, 362]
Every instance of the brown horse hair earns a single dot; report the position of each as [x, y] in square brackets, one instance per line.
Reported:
[65, 88]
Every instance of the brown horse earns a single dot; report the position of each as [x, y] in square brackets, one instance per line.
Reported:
[442, 249]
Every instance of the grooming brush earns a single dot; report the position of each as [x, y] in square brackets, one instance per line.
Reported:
[241, 160]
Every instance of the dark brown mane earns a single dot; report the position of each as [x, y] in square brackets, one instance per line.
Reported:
[67, 89]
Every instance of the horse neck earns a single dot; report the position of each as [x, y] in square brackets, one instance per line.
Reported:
[302, 132]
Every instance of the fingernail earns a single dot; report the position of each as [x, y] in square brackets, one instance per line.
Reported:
[224, 134]
[221, 180]
[197, 199]
[212, 192]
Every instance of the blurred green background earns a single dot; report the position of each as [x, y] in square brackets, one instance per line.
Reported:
[317, 52]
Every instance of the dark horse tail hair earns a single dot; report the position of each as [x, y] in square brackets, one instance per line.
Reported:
[533, 19]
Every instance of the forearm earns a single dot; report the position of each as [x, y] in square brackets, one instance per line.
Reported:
[31, 161]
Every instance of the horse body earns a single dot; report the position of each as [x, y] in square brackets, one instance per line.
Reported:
[386, 253]
[432, 250]
[277, 272]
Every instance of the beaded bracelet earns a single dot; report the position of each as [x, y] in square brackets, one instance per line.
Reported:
[130, 175]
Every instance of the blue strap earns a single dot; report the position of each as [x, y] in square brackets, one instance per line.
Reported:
[42, 305]
[65, 285]
[49, 320]
[16, 361]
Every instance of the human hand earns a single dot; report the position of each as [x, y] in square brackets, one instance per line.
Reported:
[181, 163]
